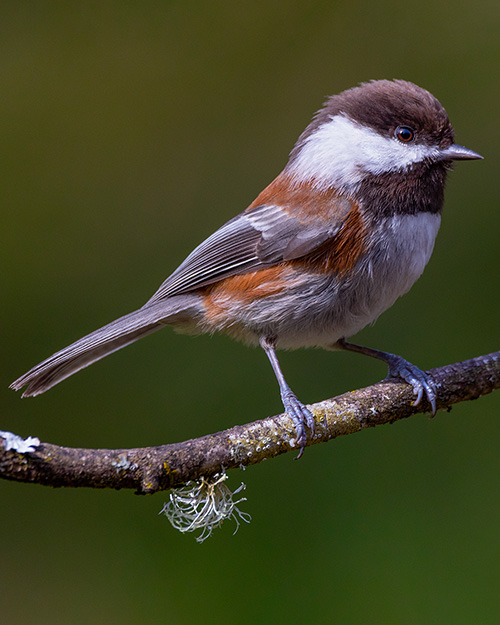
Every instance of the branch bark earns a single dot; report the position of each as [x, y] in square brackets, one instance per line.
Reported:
[151, 469]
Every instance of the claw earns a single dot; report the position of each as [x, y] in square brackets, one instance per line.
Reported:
[420, 394]
[301, 417]
[418, 379]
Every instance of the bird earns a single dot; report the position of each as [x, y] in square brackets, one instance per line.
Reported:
[333, 241]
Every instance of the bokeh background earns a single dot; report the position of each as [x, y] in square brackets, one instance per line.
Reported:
[129, 131]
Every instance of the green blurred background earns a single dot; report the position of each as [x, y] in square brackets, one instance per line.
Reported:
[129, 132]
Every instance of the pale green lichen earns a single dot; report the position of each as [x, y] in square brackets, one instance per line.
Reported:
[19, 444]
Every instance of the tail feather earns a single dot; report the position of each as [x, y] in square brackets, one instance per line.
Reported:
[102, 342]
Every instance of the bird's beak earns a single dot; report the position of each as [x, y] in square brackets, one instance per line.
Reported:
[457, 153]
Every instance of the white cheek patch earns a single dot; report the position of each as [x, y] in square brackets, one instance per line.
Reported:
[342, 152]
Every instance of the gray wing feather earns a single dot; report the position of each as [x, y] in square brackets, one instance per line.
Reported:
[253, 240]
[229, 250]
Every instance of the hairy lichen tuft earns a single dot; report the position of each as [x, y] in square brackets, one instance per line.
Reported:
[204, 504]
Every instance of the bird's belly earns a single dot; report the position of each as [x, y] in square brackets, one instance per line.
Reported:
[306, 309]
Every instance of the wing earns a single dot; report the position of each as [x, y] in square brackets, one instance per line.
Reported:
[258, 238]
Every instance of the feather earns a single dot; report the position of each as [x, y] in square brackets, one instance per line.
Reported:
[256, 239]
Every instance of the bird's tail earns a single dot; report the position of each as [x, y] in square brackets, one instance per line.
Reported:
[104, 341]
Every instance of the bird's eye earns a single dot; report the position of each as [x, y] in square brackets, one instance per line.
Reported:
[405, 134]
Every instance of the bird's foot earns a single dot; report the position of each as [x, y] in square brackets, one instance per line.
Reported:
[418, 379]
[301, 417]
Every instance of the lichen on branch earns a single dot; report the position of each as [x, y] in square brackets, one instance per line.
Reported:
[152, 469]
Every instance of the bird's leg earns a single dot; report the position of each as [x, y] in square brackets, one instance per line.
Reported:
[399, 368]
[295, 409]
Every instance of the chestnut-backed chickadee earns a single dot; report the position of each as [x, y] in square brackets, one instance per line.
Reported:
[345, 229]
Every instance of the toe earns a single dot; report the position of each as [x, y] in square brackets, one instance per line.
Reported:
[301, 418]
[422, 386]
[419, 380]
[418, 390]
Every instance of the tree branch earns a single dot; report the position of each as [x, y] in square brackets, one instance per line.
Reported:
[151, 469]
